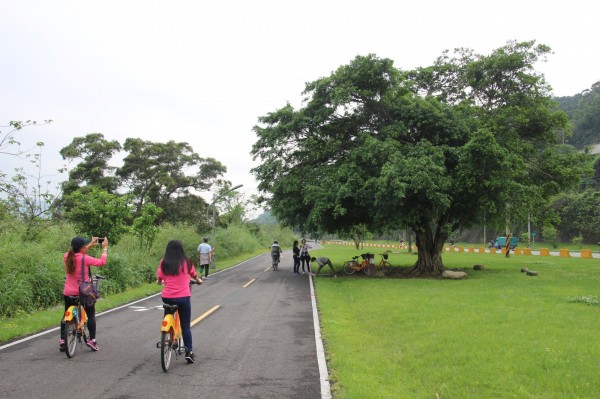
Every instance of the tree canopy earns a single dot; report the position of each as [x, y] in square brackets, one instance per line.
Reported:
[468, 139]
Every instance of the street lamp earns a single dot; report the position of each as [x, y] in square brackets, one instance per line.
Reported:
[212, 204]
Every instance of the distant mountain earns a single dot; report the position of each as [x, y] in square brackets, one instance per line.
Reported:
[265, 218]
[583, 110]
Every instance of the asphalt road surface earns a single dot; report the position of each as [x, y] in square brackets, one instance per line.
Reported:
[258, 343]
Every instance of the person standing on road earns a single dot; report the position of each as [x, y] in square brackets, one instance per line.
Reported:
[305, 256]
[73, 262]
[322, 262]
[205, 256]
[175, 270]
[296, 256]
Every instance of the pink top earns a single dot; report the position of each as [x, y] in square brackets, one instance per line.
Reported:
[72, 281]
[176, 286]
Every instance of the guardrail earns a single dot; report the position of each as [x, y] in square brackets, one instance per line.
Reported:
[563, 253]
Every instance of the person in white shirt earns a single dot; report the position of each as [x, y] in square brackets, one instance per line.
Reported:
[205, 255]
[322, 262]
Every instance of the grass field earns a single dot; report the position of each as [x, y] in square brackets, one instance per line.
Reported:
[497, 334]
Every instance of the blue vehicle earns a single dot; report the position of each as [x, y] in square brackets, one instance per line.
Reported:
[501, 242]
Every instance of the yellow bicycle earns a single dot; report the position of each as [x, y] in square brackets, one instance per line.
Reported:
[171, 340]
[75, 319]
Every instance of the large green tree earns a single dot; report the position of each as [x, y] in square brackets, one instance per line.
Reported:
[160, 173]
[434, 149]
[95, 152]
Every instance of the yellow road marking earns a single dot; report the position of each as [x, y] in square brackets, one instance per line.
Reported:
[249, 282]
[205, 315]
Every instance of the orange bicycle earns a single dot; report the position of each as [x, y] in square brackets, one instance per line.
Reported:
[384, 264]
[352, 266]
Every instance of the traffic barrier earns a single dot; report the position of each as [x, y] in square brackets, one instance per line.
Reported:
[564, 253]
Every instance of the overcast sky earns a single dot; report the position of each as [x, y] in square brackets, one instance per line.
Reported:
[203, 72]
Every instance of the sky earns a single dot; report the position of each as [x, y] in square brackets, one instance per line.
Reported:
[204, 72]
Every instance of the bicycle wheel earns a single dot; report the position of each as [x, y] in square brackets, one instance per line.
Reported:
[70, 339]
[349, 268]
[365, 268]
[165, 350]
[387, 267]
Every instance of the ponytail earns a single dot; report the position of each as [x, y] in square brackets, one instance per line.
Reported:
[70, 262]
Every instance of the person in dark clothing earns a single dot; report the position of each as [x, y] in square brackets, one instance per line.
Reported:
[296, 256]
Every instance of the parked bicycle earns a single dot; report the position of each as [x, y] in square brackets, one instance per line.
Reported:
[384, 264]
[352, 266]
[75, 318]
[171, 340]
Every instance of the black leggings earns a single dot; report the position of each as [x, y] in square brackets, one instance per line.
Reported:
[91, 315]
[305, 258]
[296, 264]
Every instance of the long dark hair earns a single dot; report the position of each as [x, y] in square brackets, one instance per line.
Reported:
[70, 261]
[295, 243]
[174, 260]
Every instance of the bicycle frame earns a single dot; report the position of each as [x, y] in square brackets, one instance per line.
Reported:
[171, 337]
[171, 322]
[75, 320]
[77, 313]
[75, 323]
[352, 266]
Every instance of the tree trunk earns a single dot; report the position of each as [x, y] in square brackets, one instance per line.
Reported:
[429, 250]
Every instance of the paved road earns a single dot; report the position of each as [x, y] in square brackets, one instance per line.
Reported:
[259, 343]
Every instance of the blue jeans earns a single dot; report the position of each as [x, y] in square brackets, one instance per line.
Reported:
[185, 316]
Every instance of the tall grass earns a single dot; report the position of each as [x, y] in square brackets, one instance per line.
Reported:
[497, 334]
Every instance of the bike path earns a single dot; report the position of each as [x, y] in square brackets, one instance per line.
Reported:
[259, 343]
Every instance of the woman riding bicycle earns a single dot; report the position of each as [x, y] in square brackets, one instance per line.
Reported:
[175, 270]
[72, 259]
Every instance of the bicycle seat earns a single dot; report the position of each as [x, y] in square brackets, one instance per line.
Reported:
[170, 308]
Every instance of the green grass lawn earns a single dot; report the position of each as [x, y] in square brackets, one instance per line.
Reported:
[498, 334]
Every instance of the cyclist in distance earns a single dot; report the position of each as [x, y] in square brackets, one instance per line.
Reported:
[175, 270]
[72, 259]
[276, 251]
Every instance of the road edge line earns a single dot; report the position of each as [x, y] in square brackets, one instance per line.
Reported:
[323, 373]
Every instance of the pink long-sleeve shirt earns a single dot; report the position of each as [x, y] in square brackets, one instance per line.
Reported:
[176, 286]
[72, 281]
